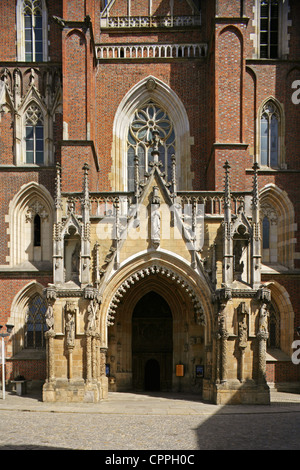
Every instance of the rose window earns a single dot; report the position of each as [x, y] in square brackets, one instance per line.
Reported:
[145, 121]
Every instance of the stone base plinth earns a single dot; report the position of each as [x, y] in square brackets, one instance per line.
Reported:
[237, 393]
[75, 391]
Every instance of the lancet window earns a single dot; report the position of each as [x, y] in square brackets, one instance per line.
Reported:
[32, 29]
[269, 136]
[34, 135]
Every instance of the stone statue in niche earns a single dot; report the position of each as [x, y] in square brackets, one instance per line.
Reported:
[155, 218]
[49, 317]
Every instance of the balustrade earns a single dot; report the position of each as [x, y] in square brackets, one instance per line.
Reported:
[150, 21]
[147, 51]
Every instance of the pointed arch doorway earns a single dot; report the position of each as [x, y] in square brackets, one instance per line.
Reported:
[152, 344]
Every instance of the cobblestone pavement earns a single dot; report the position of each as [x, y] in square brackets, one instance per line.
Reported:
[154, 422]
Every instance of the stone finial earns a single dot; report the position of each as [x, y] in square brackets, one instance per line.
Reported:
[227, 195]
[58, 201]
[255, 196]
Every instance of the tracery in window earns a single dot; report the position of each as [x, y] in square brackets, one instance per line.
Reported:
[269, 223]
[35, 323]
[266, 233]
[32, 30]
[269, 136]
[146, 120]
[33, 26]
[269, 27]
[273, 328]
[34, 135]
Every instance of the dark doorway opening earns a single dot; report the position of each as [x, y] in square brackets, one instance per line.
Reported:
[152, 344]
[152, 375]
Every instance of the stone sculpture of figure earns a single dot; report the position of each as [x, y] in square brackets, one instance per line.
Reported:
[50, 317]
[92, 316]
[70, 330]
[155, 222]
[70, 325]
[263, 318]
[243, 333]
[155, 217]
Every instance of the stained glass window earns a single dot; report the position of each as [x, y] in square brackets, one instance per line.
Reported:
[35, 325]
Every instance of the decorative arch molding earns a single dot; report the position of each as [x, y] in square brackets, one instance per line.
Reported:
[76, 32]
[31, 199]
[151, 88]
[235, 30]
[147, 271]
[277, 199]
[282, 300]
[191, 285]
[18, 312]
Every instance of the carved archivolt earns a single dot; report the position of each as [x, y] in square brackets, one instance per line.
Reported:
[148, 271]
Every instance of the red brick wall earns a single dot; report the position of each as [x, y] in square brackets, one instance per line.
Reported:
[277, 372]
[7, 30]
[74, 84]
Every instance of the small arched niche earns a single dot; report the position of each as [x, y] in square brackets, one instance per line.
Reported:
[72, 249]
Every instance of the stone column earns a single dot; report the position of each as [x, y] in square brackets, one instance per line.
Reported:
[92, 339]
[88, 357]
[70, 311]
[97, 371]
[223, 337]
[242, 337]
[94, 357]
[262, 349]
[50, 335]
[262, 337]
[216, 375]
[103, 378]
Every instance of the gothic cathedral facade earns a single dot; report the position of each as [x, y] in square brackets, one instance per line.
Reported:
[150, 205]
